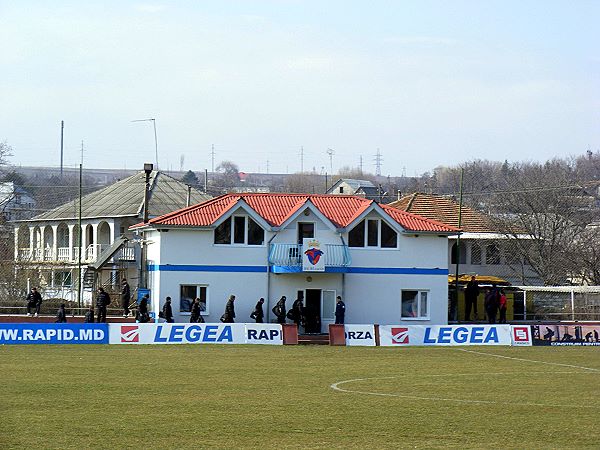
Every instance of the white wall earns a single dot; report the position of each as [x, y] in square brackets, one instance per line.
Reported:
[369, 298]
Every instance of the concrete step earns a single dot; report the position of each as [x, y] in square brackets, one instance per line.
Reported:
[313, 339]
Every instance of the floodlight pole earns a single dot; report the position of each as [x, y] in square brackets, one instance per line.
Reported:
[454, 305]
[155, 138]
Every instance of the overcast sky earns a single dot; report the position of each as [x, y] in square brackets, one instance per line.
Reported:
[429, 83]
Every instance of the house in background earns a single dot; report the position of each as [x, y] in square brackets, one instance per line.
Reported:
[360, 188]
[49, 242]
[15, 202]
[484, 249]
[388, 265]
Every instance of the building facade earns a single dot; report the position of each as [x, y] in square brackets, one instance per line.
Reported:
[389, 266]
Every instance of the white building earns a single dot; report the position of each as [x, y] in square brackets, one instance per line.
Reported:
[49, 242]
[388, 265]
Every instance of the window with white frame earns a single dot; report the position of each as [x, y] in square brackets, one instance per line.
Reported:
[239, 230]
[374, 233]
[415, 304]
[189, 292]
[63, 279]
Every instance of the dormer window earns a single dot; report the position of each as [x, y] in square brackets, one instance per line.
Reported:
[239, 230]
[374, 233]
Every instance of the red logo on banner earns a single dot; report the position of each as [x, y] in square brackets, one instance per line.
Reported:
[521, 334]
[130, 333]
[399, 335]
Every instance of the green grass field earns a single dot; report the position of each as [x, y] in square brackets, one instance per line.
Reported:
[216, 396]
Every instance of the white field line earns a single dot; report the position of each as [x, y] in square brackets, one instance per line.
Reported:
[336, 387]
[528, 360]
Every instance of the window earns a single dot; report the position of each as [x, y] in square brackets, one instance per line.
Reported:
[244, 231]
[62, 279]
[373, 233]
[341, 189]
[223, 233]
[306, 230]
[415, 305]
[475, 254]
[187, 295]
[492, 254]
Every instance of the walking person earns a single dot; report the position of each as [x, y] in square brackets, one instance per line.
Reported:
[258, 314]
[142, 315]
[34, 302]
[195, 311]
[340, 311]
[168, 311]
[125, 297]
[89, 315]
[61, 315]
[298, 312]
[491, 304]
[102, 301]
[502, 306]
[471, 294]
[279, 310]
[229, 314]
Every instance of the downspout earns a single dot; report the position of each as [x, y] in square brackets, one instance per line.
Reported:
[343, 293]
[269, 277]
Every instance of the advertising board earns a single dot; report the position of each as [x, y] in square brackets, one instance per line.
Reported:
[360, 335]
[406, 335]
[566, 334]
[196, 333]
[53, 333]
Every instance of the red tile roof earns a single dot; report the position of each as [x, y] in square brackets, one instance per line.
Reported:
[275, 209]
[445, 210]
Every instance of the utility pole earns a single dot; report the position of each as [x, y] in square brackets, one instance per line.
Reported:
[79, 237]
[360, 165]
[302, 159]
[62, 129]
[378, 160]
[267, 167]
[212, 158]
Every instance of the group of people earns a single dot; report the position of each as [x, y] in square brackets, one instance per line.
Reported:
[494, 302]
[298, 314]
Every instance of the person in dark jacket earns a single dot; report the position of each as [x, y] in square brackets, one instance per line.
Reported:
[125, 297]
[279, 310]
[61, 315]
[297, 312]
[492, 298]
[471, 294]
[229, 315]
[102, 301]
[195, 310]
[143, 316]
[34, 302]
[340, 311]
[168, 311]
[89, 315]
[258, 314]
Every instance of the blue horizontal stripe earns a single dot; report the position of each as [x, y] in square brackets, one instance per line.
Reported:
[196, 268]
[297, 269]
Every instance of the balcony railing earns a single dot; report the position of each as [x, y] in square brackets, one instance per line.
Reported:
[25, 253]
[64, 254]
[92, 251]
[48, 256]
[290, 255]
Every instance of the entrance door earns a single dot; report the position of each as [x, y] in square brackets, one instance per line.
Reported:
[327, 309]
[312, 311]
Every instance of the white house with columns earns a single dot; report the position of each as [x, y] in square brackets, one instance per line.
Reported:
[389, 266]
[50, 243]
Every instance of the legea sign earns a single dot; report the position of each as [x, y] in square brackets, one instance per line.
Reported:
[207, 333]
[402, 335]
